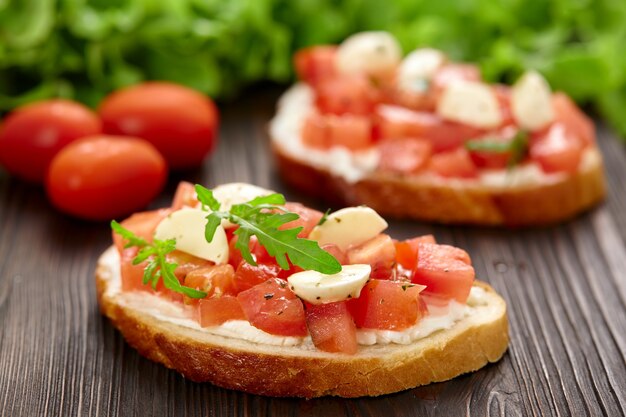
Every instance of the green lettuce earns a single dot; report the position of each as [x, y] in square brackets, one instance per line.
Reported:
[86, 48]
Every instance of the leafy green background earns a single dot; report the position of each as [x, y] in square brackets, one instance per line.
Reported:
[85, 48]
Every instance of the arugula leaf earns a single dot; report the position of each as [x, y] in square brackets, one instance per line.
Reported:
[518, 147]
[324, 217]
[158, 266]
[261, 217]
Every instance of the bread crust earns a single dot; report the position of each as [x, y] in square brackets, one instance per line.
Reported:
[284, 371]
[420, 198]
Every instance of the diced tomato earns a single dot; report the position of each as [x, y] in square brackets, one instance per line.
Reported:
[185, 196]
[325, 130]
[558, 150]
[215, 280]
[217, 310]
[404, 155]
[379, 252]
[575, 121]
[274, 308]
[452, 73]
[309, 218]
[397, 122]
[453, 164]
[408, 250]
[494, 160]
[331, 327]
[186, 263]
[336, 251]
[446, 272]
[258, 251]
[247, 276]
[142, 224]
[132, 277]
[315, 63]
[341, 95]
[388, 305]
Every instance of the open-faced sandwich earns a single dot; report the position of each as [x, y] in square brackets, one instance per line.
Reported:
[239, 288]
[425, 138]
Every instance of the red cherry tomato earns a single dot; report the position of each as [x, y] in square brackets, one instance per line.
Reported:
[33, 134]
[180, 122]
[103, 177]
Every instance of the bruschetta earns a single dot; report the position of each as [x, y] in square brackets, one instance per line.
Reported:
[218, 299]
[426, 138]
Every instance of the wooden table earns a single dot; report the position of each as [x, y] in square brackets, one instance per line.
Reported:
[565, 287]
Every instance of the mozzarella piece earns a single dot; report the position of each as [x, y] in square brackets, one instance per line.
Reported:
[349, 226]
[531, 101]
[472, 103]
[418, 67]
[318, 288]
[237, 193]
[187, 227]
[372, 53]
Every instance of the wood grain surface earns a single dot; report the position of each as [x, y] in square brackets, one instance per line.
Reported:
[565, 287]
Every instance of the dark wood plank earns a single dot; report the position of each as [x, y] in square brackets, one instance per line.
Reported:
[565, 287]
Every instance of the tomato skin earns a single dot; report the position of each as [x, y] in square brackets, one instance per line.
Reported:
[394, 122]
[405, 155]
[346, 95]
[247, 276]
[558, 150]
[180, 122]
[387, 305]
[274, 308]
[218, 310]
[103, 177]
[309, 218]
[453, 164]
[336, 251]
[378, 252]
[258, 251]
[315, 63]
[326, 130]
[331, 327]
[446, 272]
[33, 134]
[142, 224]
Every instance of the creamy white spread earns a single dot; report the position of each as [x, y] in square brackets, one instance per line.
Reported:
[352, 166]
[439, 318]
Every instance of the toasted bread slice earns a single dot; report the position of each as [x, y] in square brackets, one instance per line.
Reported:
[478, 338]
[521, 196]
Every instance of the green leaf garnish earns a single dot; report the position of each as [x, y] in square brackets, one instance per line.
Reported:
[518, 147]
[262, 217]
[324, 217]
[158, 266]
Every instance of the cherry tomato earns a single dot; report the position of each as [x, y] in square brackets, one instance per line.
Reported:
[180, 122]
[103, 177]
[33, 134]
